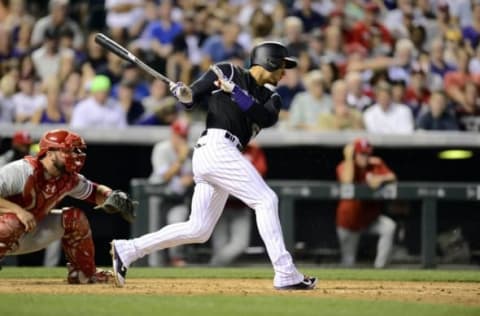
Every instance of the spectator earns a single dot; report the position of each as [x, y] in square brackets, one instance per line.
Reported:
[70, 94]
[131, 74]
[184, 63]
[474, 64]
[7, 106]
[334, 46]
[223, 47]
[355, 217]
[133, 109]
[27, 101]
[417, 93]
[288, 87]
[122, 16]
[261, 26]
[57, 18]
[437, 117]
[308, 105]
[296, 44]
[330, 74]
[51, 113]
[403, 61]
[398, 21]
[7, 27]
[158, 92]
[471, 31]
[172, 167]
[356, 96]
[342, 117]
[99, 110]
[157, 37]
[114, 69]
[310, 18]
[49, 58]
[231, 236]
[387, 117]
[21, 46]
[438, 66]
[455, 82]
[398, 91]
[162, 113]
[21, 142]
[316, 47]
[364, 32]
[96, 56]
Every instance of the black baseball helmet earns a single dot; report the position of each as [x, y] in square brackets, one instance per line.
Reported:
[271, 56]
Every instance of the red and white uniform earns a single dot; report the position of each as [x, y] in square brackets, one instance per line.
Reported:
[355, 217]
[25, 183]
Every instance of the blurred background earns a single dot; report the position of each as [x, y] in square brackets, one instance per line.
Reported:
[404, 74]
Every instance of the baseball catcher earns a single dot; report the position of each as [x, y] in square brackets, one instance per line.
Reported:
[31, 187]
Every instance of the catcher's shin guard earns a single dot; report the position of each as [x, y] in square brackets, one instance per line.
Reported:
[11, 229]
[78, 245]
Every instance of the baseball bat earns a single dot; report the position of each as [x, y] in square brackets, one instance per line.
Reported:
[122, 52]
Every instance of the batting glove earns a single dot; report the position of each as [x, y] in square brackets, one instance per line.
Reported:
[240, 96]
[182, 92]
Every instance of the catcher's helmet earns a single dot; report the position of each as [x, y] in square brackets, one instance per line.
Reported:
[71, 144]
[271, 56]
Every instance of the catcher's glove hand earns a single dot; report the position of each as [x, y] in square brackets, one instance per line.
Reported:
[119, 202]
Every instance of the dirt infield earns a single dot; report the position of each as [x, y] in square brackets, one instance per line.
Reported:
[426, 292]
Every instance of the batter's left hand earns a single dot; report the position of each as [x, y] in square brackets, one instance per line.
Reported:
[222, 81]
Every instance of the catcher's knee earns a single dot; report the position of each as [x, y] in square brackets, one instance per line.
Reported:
[11, 229]
[74, 220]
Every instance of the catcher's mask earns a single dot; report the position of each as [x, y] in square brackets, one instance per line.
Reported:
[70, 144]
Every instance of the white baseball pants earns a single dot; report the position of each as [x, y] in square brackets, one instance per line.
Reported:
[383, 226]
[219, 170]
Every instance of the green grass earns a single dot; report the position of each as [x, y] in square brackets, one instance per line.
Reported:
[265, 273]
[139, 305]
[213, 305]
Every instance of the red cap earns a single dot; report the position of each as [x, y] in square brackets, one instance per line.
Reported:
[21, 138]
[336, 13]
[362, 146]
[180, 127]
[371, 6]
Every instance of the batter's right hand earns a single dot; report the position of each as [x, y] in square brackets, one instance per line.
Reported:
[182, 92]
[27, 219]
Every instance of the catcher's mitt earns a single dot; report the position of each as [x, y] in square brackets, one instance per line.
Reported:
[119, 202]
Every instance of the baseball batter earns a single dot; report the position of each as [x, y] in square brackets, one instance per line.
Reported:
[29, 190]
[239, 106]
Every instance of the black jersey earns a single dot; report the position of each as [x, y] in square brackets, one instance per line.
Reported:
[223, 111]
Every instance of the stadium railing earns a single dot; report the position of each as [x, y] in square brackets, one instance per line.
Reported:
[289, 191]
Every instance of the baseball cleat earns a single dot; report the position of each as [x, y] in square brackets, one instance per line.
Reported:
[119, 269]
[308, 283]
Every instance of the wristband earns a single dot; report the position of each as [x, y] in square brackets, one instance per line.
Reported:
[242, 98]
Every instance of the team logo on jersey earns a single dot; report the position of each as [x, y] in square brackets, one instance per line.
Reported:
[50, 189]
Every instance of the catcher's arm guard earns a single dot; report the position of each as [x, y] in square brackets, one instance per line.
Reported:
[119, 202]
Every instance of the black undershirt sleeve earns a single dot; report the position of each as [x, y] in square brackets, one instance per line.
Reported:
[266, 115]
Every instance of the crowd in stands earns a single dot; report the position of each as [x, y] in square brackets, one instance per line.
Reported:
[380, 65]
